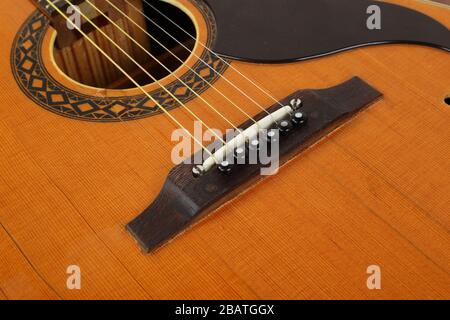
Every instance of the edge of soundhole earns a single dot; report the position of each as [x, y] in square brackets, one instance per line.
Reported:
[104, 75]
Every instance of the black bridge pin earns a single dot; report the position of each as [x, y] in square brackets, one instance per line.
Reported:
[225, 167]
[299, 118]
[285, 126]
[296, 103]
[239, 155]
[198, 171]
[272, 136]
[253, 144]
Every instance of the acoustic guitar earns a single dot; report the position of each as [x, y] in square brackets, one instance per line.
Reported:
[212, 149]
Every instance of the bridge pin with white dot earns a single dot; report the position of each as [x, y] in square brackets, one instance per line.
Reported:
[198, 171]
[239, 155]
[285, 126]
[299, 118]
[253, 144]
[225, 167]
[272, 136]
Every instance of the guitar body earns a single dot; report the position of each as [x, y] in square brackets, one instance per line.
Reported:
[375, 192]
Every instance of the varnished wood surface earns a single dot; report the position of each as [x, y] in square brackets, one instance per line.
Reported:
[375, 192]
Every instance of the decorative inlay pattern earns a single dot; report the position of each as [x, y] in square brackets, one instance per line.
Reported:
[36, 82]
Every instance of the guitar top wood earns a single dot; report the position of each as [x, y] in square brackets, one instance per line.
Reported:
[376, 192]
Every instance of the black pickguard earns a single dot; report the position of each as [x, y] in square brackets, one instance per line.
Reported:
[290, 30]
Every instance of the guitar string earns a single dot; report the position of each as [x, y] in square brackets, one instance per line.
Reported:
[259, 87]
[166, 68]
[179, 59]
[131, 79]
[146, 72]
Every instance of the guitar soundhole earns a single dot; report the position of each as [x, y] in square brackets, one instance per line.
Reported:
[447, 100]
[35, 76]
[95, 70]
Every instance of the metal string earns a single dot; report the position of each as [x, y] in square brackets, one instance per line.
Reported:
[130, 78]
[265, 91]
[145, 71]
[163, 65]
[178, 58]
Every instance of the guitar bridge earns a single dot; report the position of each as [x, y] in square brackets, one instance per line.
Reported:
[186, 197]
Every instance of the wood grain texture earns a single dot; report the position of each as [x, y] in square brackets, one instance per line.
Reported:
[18, 269]
[375, 192]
